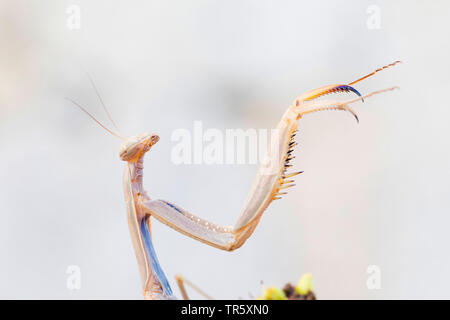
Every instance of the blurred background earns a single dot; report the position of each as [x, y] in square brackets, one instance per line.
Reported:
[374, 196]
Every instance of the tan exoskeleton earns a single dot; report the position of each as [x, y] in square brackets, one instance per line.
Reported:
[270, 183]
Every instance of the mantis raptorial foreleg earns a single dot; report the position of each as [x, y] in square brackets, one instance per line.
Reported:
[267, 186]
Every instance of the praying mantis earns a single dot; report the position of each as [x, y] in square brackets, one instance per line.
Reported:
[268, 185]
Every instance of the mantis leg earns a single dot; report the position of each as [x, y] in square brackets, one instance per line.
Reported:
[181, 281]
[271, 180]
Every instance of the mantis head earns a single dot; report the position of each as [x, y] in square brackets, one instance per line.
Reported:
[135, 146]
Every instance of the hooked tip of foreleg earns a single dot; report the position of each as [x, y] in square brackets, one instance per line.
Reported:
[345, 88]
[319, 92]
[348, 88]
[347, 108]
[356, 117]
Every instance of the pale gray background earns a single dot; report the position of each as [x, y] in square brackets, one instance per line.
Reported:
[372, 194]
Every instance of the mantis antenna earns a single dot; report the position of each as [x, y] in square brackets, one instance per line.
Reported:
[93, 118]
[103, 104]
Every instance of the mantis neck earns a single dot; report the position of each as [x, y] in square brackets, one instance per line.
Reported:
[136, 175]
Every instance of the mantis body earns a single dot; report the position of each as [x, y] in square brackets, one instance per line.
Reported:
[268, 185]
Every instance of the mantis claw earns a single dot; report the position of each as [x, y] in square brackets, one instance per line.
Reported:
[319, 92]
[347, 108]
[347, 88]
